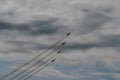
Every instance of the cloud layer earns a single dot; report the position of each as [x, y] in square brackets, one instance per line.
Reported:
[27, 27]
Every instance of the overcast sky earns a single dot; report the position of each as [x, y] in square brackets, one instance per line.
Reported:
[28, 27]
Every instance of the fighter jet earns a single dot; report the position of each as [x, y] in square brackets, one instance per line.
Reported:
[68, 34]
[63, 43]
[53, 60]
[59, 51]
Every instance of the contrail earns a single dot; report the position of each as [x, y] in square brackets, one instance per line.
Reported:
[38, 66]
[29, 68]
[38, 69]
[35, 57]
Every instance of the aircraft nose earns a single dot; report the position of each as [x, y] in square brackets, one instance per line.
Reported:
[68, 34]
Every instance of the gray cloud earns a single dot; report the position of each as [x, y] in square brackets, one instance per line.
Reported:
[33, 35]
[33, 28]
[113, 40]
[95, 18]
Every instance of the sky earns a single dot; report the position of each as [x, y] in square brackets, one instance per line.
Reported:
[28, 27]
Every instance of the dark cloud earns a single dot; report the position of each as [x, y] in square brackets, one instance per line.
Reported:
[81, 46]
[113, 40]
[95, 18]
[33, 28]
[21, 46]
[24, 47]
